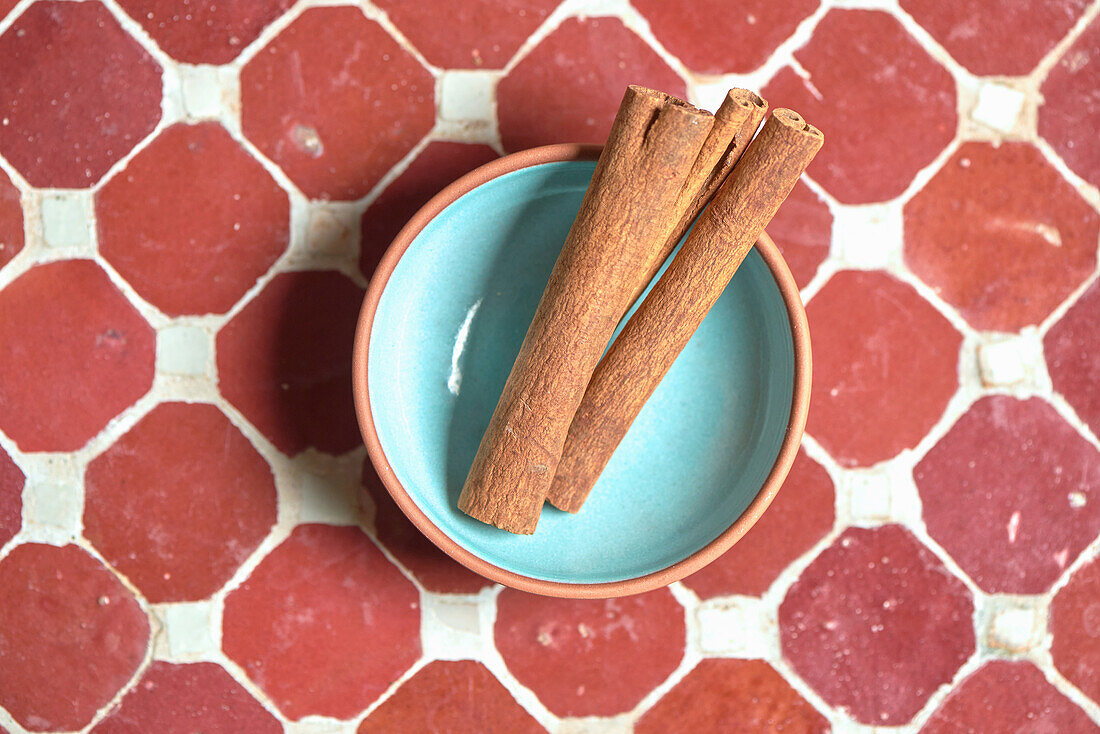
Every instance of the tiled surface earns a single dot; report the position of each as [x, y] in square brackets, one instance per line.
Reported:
[193, 197]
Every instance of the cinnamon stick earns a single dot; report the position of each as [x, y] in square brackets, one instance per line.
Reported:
[735, 123]
[661, 327]
[624, 218]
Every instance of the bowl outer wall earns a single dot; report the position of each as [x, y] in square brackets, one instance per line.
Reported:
[800, 334]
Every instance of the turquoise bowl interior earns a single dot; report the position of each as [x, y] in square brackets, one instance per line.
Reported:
[447, 328]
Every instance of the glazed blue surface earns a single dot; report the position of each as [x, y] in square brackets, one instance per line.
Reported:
[695, 457]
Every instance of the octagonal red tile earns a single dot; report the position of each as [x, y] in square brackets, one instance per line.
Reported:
[77, 354]
[1070, 113]
[1001, 235]
[567, 89]
[886, 107]
[204, 32]
[1007, 696]
[284, 361]
[1070, 348]
[799, 516]
[181, 699]
[78, 93]
[468, 34]
[885, 365]
[877, 595]
[324, 624]
[11, 498]
[178, 502]
[335, 102]
[699, 33]
[803, 229]
[71, 636]
[1075, 624]
[1012, 493]
[728, 695]
[11, 220]
[437, 165]
[180, 262]
[590, 657]
[452, 697]
[433, 568]
[990, 37]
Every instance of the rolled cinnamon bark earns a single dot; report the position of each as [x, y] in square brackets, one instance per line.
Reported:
[735, 123]
[623, 221]
[661, 327]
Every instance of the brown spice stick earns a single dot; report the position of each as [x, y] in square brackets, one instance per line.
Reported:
[623, 219]
[661, 327]
[735, 123]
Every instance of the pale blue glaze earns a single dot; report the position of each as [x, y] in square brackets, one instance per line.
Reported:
[695, 457]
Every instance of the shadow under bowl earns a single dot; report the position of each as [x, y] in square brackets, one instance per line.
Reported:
[441, 324]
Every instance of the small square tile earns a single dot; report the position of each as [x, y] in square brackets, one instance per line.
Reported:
[869, 496]
[65, 219]
[1005, 362]
[325, 496]
[1014, 629]
[57, 506]
[742, 627]
[333, 230]
[998, 107]
[867, 236]
[466, 95]
[188, 628]
[203, 91]
[451, 627]
[183, 350]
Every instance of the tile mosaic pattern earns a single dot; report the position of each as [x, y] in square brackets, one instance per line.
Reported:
[193, 197]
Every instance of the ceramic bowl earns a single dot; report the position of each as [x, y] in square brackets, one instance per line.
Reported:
[441, 324]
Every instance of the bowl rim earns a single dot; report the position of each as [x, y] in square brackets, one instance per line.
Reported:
[800, 333]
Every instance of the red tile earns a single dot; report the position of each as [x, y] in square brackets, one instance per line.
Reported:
[11, 498]
[71, 636]
[324, 624]
[1070, 347]
[567, 89]
[877, 595]
[284, 361]
[11, 218]
[1012, 493]
[434, 167]
[1070, 113]
[181, 699]
[335, 102]
[886, 107]
[999, 234]
[433, 568]
[699, 33]
[179, 262]
[453, 697]
[78, 354]
[590, 657]
[78, 93]
[800, 515]
[468, 34]
[990, 37]
[1075, 625]
[179, 502]
[6, 6]
[732, 695]
[204, 32]
[874, 394]
[803, 229]
[1007, 696]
